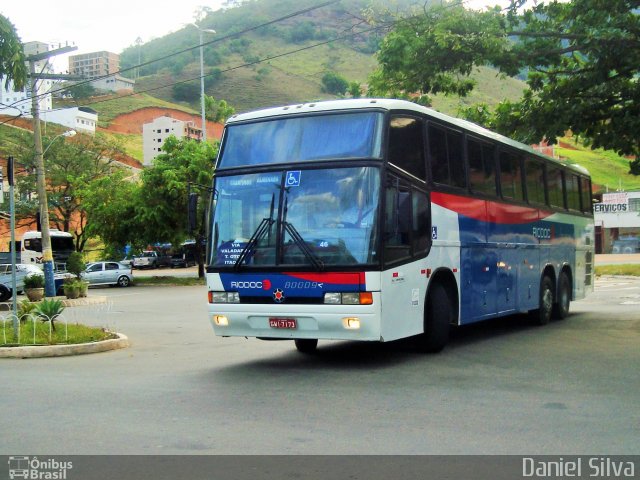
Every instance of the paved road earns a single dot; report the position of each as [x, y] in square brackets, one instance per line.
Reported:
[503, 387]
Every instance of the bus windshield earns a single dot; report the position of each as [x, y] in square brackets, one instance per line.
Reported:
[300, 139]
[310, 218]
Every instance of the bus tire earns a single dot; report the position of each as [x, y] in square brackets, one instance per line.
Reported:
[561, 307]
[437, 321]
[5, 293]
[542, 315]
[306, 345]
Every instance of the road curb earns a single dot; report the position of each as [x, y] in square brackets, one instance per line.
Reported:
[40, 351]
[67, 302]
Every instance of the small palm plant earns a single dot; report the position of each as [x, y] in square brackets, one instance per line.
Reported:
[49, 310]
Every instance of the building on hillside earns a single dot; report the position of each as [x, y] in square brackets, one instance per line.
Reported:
[155, 133]
[81, 119]
[18, 103]
[114, 83]
[94, 64]
[103, 67]
[616, 216]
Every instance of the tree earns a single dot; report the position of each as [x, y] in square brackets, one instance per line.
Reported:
[12, 58]
[334, 83]
[582, 59]
[70, 166]
[110, 205]
[218, 111]
[81, 91]
[162, 203]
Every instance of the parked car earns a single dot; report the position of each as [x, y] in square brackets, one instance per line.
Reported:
[108, 273]
[151, 259]
[182, 260]
[626, 245]
[23, 270]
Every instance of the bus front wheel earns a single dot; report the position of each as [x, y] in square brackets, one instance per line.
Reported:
[437, 321]
[306, 345]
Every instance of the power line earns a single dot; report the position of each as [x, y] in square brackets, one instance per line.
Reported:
[244, 65]
[215, 40]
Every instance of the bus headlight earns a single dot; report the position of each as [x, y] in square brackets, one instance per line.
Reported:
[220, 320]
[224, 297]
[348, 298]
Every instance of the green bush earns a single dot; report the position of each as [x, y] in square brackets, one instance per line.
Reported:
[75, 264]
[35, 280]
[49, 310]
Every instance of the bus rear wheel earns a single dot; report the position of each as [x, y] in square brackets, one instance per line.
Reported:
[561, 307]
[437, 321]
[306, 345]
[542, 315]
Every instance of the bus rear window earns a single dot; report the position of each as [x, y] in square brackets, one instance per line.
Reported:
[318, 137]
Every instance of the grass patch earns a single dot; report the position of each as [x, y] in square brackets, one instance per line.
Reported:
[167, 280]
[628, 269]
[69, 334]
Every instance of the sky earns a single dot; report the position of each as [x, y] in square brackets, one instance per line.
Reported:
[112, 25]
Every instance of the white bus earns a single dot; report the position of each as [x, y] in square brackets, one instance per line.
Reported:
[381, 219]
[61, 244]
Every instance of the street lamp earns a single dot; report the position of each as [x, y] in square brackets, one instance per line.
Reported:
[204, 125]
[47, 252]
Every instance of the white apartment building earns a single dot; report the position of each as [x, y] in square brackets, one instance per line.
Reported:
[18, 103]
[81, 119]
[155, 133]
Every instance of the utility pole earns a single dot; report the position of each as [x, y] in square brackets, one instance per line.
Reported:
[47, 252]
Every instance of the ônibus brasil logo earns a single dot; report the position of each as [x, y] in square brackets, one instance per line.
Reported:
[37, 469]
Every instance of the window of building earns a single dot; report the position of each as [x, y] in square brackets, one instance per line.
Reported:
[166, 130]
[406, 145]
[634, 204]
[482, 167]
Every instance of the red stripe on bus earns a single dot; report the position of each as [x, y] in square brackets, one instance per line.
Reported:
[488, 211]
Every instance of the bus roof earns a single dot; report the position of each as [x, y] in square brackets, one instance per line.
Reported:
[52, 233]
[388, 105]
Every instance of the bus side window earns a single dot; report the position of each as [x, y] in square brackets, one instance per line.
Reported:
[534, 179]
[573, 192]
[34, 244]
[421, 223]
[445, 157]
[397, 221]
[482, 167]
[406, 145]
[585, 194]
[511, 176]
[555, 187]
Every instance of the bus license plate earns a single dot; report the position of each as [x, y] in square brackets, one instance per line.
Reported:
[289, 323]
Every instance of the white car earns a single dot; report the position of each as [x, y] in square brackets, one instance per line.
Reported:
[22, 270]
[108, 273]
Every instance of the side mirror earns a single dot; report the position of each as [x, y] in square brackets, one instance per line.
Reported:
[192, 213]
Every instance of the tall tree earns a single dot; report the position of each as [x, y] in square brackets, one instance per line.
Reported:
[70, 165]
[12, 59]
[582, 60]
[161, 210]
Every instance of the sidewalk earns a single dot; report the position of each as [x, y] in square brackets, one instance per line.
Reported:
[617, 259]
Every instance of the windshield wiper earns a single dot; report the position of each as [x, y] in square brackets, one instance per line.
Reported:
[263, 227]
[299, 241]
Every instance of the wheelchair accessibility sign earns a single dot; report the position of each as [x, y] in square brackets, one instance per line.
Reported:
[292, 178]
